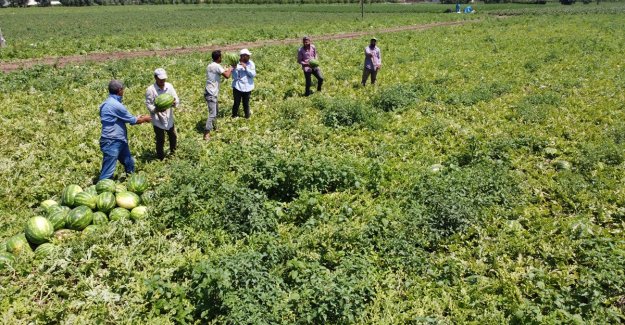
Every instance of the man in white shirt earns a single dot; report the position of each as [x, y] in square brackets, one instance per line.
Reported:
[163, 122]
[214, 71]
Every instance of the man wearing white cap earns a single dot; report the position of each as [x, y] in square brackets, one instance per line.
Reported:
[243, 83]
[163, 122]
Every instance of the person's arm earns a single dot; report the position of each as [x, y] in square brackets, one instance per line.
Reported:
[149, 100]
[226, 72]
[300, 57]
[250, 69]
[368, 52]
[143, 119]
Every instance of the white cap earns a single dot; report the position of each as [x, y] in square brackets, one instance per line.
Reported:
[245, 51]
[160, 73]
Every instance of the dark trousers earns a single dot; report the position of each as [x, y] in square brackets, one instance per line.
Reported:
[112, 151]
[160, 141]
[317, 73]
[365, 75]
[238, 96]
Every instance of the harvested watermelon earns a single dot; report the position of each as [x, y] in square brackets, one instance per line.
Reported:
[119, 214]
[45, 250]
[18, 244]
[90, 230]
[79, 218]
[58, 218]
[47, 204]
[38, 230]
[139, 213]
[63, 234]
[106, 202]
[105, 185]
[69, 193]
[313, 63]
[137, 183]
[100, 218]
[120, 188]
[86, 199]
[163, 102]
[6, 259]
[147, 197]
[127, 200]
[92, 190]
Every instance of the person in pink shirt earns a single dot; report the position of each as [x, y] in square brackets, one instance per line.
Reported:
[306, 53]
[373, 62]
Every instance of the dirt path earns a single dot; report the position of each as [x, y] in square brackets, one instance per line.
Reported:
[99, 57]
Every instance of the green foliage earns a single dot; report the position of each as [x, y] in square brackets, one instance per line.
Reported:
[337, 112]
[459, 198]
[396, 97]
[459, 208]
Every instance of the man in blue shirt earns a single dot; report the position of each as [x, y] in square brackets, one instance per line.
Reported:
[243, 83]
[114, 139]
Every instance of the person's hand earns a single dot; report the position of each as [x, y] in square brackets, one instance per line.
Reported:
[143, 118]
[243, 65]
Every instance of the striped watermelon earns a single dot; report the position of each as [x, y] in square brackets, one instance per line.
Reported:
[92, 190]
[120, 188]
[90, 230]
[139, 213]
[18, 244]
[63, 234]
[106, 202]
[127, 200]
[69, 193]
[47, 204]
[137, 183]
[6, 260]
[86, 199]
[45, 250]
[79, 218]
[100, 218]
[147, 197]
[164, 102]
[38, 230]
[105, 185]
[119, 214]
[58, 218]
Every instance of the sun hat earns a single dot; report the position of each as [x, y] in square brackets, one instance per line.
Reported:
[245, 52]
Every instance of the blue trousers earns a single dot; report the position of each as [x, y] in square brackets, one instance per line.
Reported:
[114, 150]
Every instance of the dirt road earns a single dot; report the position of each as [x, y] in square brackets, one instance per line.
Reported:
[100, 57]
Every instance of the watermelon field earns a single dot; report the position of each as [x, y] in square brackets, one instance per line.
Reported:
[480, 181]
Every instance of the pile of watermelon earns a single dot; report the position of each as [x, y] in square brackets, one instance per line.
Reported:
[79, 211]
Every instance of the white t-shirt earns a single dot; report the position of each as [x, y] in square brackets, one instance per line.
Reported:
[213, 78]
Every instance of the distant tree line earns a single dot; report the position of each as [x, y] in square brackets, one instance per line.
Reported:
[78, 3]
